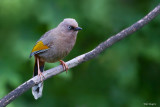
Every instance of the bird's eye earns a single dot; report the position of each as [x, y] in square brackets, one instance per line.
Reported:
[70, 27]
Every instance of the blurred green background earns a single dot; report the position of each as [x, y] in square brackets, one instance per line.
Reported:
[125, 75]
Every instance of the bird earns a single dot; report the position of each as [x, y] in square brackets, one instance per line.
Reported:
[53, 46]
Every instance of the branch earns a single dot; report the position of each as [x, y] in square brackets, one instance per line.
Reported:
[82, 58]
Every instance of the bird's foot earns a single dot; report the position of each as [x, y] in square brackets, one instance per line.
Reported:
[41, 75]
[65, 67]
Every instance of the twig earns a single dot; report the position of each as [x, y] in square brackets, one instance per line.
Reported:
[82, 58]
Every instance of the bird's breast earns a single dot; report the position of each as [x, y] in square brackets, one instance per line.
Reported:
[58, 50]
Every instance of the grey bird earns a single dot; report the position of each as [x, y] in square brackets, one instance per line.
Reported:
[53, 46]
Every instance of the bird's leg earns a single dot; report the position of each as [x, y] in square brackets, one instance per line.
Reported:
[39, 71]
[65, 67]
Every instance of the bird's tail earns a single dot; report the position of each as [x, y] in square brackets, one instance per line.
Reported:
[37, 89]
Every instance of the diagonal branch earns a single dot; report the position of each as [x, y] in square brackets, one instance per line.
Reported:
[82, 58]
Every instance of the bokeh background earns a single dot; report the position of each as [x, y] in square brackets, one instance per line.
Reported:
[125, 75]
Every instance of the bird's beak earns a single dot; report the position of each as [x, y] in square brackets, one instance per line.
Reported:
[77, 29]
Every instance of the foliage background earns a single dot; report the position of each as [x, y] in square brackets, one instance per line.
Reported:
[126, 75]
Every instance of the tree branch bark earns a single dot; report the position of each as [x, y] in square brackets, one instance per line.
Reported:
[82, 58]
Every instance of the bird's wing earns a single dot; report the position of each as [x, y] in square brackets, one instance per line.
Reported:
[43, 43]
[38, 48]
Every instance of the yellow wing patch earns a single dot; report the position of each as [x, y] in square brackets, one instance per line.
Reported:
[39, 46]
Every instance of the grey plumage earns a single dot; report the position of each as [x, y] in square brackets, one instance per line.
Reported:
[60, 42]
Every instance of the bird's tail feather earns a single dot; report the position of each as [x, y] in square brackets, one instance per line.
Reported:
[38, 88]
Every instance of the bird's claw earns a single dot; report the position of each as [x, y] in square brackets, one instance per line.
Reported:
[65, 67]
[41, 75]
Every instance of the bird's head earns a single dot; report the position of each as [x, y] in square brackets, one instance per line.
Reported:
[69, 26]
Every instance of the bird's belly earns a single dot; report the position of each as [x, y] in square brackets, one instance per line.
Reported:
[53, 55]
